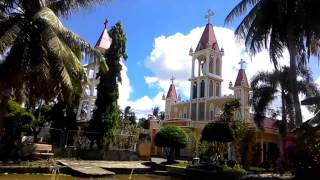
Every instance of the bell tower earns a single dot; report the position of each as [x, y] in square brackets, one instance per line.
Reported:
[206, 72]
[241, 90]
[88, 98]
[170, 99]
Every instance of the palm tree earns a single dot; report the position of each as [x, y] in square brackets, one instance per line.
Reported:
[41, 56]
[279, 24]
[155, 111]
[267, 85]
[128, 115]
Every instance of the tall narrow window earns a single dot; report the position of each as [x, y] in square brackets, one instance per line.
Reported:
[218, 67]
[217, 89]
[202, 86]
[194, 95]
[211, 89]
[211, 66]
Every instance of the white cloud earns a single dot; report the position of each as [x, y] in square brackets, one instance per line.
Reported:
[125, 88]
[170, 57]
[141, 106]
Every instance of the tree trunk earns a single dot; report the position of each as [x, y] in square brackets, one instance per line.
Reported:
[283, 125]
[4, 97]
[293, 77]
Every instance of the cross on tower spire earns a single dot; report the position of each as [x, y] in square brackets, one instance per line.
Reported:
[208, 16]
[172, 79]
[242, 62]
[105, 23]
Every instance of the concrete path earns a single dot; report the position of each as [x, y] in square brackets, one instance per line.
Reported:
[114, 166]
[86, 169]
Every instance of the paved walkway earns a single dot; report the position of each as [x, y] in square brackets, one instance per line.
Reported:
[96, 167]
[86, 169]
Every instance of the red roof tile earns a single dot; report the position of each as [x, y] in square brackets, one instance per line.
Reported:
[208, 38]
[241, 77]
[172, 93]
[104, 41]
[269, 123]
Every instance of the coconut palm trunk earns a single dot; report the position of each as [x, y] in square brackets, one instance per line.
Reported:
[283, 125]
[292, 48]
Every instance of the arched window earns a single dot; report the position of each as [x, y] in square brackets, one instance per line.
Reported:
[211, 88]
[202, 88]
[194, 91]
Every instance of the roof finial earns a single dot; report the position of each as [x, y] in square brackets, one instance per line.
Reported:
[242, 62]
[172, 79]
[208, 16]
[105, 23]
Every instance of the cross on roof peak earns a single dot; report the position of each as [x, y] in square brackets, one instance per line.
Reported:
[208, 16]
[172, 79]
[242, 62]
[105, 23]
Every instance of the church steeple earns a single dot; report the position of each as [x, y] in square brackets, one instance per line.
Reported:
[208, 38]
[242, 77]
[171, 98]
[104, 40]
[172, 93]
[241, 90]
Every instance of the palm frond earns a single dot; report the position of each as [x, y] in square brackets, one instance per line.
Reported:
[64, 7]
[11, 68]
[260, 99]
[72, 71]
[275, 47]
[7, 39]
[240, 9]
[264, 78]
[70, 38]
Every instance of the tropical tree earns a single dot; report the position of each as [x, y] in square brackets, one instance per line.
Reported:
[128, 115]
[63, 119]
[106, 115]
[267, 85]
[143, 123]
[217, 134]
[156, 111]
[280, 24]
[42, 57]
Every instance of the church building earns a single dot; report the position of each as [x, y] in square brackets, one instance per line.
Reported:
[206, 100]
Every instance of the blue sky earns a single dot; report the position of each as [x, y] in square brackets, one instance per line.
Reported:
[149, 25]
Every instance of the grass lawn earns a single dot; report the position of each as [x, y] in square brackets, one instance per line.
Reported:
[181, 164]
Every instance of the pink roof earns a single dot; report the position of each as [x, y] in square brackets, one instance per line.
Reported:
[172, 93]
[104, 41]
[208, 39]
[269, 123]
[241, 77]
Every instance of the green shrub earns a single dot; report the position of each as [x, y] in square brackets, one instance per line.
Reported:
[237, 169]
[171, 137]
[257, 169]
[16, 122]
[217, 131]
